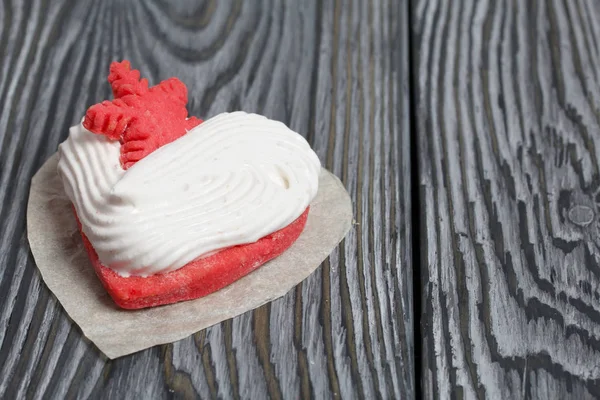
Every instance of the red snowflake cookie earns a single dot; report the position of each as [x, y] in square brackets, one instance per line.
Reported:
[141, 118]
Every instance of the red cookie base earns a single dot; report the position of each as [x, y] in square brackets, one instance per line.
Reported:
[197, 278]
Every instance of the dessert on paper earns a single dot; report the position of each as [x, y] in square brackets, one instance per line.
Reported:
[188, 221]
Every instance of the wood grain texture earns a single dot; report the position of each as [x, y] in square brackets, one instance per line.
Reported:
[508, 119]
[335, 71]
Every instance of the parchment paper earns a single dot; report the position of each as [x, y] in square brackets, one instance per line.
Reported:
[61, 258]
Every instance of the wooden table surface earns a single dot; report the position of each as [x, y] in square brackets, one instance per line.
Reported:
[507, 104]
[467, 133]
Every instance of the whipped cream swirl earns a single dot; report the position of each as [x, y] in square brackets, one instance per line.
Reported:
[232, 180]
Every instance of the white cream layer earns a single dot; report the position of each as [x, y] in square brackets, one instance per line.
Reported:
[233, 179]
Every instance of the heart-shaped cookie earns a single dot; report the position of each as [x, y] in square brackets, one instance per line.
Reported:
[172, 209]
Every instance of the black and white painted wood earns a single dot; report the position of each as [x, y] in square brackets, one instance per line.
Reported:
[336, 71]
[507, 103]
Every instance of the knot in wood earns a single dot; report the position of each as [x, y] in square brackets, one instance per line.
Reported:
[581, 215]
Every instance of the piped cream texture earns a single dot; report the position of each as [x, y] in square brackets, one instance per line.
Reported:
[232, 180]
